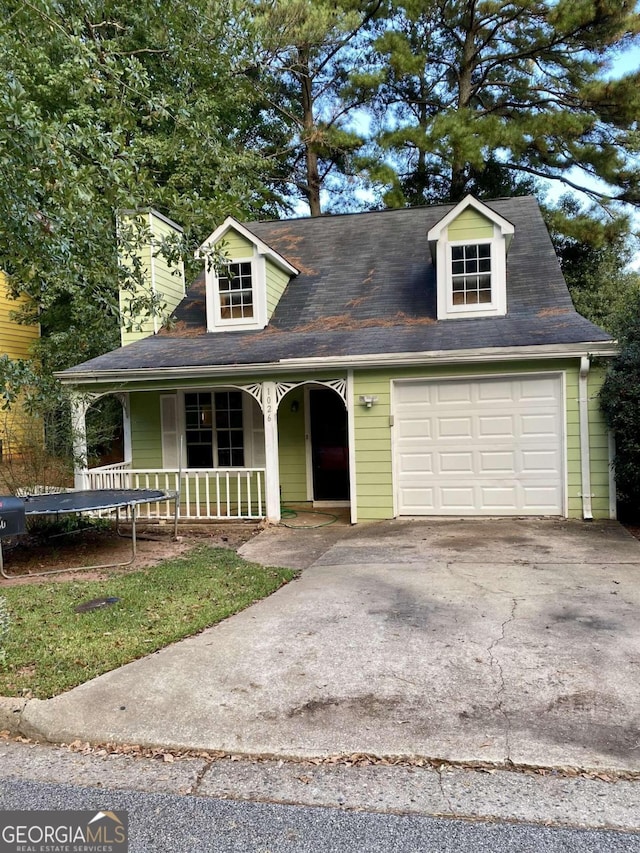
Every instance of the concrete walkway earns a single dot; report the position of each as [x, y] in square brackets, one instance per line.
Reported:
[479, 640]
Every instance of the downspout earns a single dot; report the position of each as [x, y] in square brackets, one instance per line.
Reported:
[353, 496]
[585, 457]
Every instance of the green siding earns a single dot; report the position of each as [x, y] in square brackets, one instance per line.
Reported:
[235, 245]
[292, 449]
[470, 225]
[598, 447]
[146, 434]
[159, 278]
[374, 436]
[169, 280]
[374, 481]
[277, 281]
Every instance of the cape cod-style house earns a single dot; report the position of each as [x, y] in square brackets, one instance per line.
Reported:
[424, 361]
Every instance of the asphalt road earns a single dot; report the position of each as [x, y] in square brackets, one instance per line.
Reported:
[179, 824]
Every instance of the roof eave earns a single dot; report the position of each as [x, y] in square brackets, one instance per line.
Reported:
[603, 349]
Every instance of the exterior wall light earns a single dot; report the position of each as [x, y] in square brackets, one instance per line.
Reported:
[367, 400]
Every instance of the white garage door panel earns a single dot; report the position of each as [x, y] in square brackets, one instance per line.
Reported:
[457, 500]
[489, 426]
[480, 447]
[454, 427]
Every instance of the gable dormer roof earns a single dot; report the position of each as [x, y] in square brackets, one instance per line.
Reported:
[231, 224]
[436, 231]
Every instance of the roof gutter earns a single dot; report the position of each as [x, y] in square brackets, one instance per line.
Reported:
[288, 365]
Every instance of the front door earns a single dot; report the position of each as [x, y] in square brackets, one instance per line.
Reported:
[329, 445]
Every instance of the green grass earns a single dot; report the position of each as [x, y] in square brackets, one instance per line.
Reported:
[50, 648]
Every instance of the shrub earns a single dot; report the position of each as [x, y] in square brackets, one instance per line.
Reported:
[620, 404]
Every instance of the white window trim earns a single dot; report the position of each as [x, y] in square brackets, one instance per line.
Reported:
[498, 305]
[215, 321]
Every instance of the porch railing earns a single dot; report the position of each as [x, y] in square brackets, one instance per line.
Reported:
[205, 493]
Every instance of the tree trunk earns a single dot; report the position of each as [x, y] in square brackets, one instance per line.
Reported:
[458, 187]
[312, 188]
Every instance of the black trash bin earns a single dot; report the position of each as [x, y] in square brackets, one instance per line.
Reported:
[12, 517]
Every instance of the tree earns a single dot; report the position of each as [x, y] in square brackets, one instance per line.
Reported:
[520, 88]
[110, 105]
[620, 404]
[595, 256]
[308, 49]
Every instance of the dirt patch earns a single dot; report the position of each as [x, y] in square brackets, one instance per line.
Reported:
[26, 558]
[634, 529]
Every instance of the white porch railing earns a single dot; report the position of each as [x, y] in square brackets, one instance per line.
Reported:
[205, 493]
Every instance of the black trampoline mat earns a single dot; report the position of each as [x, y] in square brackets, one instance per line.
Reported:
[92, 499]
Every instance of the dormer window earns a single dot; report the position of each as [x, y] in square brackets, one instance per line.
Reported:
[246, 280]
[235, 291]
[469, 249]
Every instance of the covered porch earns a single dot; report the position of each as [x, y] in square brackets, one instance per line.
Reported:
[232, 451]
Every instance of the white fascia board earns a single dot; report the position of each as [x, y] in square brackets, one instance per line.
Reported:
[262, 248]
[407, 359]
[506, 228]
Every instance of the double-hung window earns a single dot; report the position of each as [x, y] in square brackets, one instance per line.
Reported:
[214, 429]
[235, 291]
[471, 274]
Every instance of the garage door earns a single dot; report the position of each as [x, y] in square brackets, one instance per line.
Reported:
[479, 447]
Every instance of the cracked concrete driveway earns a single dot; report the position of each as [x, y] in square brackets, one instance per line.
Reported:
[476, 640]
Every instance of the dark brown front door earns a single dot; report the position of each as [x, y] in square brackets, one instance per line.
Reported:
[329, 446]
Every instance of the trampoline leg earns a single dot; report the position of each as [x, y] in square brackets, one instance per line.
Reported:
[134, 543]
[176, 510]
[2, 571]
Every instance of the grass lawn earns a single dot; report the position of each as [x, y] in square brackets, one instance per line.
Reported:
[51, 648]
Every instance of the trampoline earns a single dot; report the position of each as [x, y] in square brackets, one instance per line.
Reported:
[98, 500]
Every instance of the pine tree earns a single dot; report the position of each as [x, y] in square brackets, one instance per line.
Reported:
[521, 88]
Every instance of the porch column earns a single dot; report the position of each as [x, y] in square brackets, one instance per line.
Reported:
[272, 460]
[125, 399]
[79, 406]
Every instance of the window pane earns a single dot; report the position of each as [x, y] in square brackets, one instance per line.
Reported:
[457, 253]
[199, 456]
[237, 457]
[229, 429]
[199, 431]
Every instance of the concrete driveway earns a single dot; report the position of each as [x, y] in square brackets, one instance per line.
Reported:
[476, 640]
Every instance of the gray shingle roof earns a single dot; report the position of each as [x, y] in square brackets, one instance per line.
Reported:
[367, 286]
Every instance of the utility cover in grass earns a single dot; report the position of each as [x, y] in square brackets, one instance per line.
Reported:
[95, 604]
